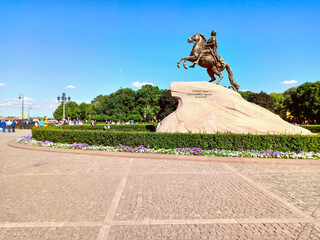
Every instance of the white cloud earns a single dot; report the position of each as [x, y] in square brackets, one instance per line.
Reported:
[28, 102]
[140, 84]
[12, 107]
[2, 85]
[81, 101]
[289, 82]
[70, 87]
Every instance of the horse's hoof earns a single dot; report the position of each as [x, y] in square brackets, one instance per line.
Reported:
[185, 67]
[191, 66]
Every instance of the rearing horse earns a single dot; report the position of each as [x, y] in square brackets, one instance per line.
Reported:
[207, 61]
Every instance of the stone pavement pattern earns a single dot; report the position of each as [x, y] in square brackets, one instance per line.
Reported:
[46, 195]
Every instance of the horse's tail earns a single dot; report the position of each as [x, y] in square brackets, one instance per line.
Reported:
[231, 78]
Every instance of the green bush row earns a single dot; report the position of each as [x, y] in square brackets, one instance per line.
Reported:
[227, 141]
[147, 127]
[313, 128]
[137, 128]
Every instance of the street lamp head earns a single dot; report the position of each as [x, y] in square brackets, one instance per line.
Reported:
[58, 99]
[63, 94]
[69, 98]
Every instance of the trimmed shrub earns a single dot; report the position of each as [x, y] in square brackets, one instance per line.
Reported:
[226, 141]
[313, 128]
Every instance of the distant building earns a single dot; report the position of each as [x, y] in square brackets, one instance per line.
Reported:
[7, 118]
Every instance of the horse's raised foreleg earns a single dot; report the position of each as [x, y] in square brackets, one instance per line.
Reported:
[178, 64]
[185, 64]
[185, 59]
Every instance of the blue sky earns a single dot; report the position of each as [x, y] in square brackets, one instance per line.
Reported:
[46, 46]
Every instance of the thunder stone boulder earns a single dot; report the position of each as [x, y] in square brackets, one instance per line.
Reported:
[209, 108]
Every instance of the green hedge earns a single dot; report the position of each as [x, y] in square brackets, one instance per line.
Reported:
[135, 128]
[313, 128]
[144, 127]
[228, 141]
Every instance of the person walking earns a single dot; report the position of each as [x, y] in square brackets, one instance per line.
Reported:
[9, 125]
[13, 125]
[41, 123]
[3, 125]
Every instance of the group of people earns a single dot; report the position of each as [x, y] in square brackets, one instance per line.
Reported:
[75, 122]
[11, 124]
[130, 122]
[93, 122]
[8, 124]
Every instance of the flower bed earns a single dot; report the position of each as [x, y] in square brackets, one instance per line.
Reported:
[177, 151]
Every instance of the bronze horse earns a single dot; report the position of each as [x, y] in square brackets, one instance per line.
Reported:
[207, 61]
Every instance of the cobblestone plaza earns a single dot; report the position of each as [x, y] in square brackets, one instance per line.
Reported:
[53, 195]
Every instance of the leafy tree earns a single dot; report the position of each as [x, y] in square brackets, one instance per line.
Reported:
[262, 99]
[96, 104]
[147, 102]
[85, 111]
[167, 104]
[278, 107]
[72, 111]
[134, 115]
[246, 94]
[305, 101]
[288, 102]
[119, 104]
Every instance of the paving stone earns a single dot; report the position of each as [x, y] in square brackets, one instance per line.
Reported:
[302, 189]
[195, 196]
[54, 195]
[213, 231]
[63, 165]
[56, 198]
[165, 166]
[49, 233]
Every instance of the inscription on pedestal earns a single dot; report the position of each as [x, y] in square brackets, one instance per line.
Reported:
[200, 93]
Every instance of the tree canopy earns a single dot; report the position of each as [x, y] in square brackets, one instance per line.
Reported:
[72, 111]
[262, 99]
[305, 101]
[152, 104]
[167, 104]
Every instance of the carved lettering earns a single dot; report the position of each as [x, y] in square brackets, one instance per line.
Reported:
[200, 93]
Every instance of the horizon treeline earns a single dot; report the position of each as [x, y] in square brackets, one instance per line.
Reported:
[297, 104]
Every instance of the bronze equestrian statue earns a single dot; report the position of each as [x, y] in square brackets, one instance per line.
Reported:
[204, 53]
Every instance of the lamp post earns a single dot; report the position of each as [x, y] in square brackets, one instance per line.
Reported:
[63, 99]
[29, 113]
[22, 104]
